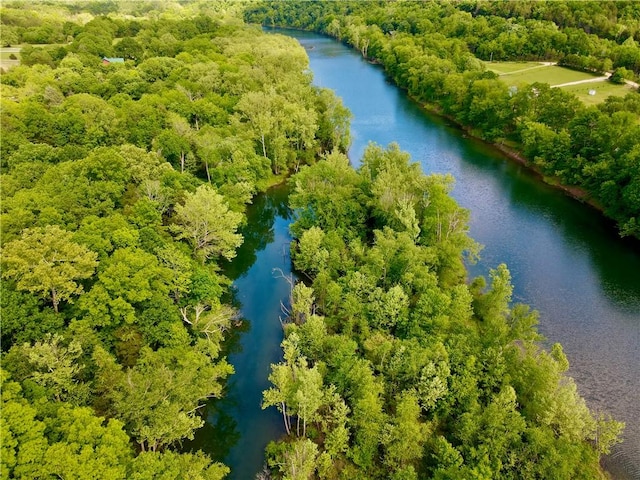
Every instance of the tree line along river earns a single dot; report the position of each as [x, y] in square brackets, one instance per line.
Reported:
[565, 259]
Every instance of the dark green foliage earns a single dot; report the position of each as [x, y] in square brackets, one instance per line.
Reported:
[413, 373]
[112, 311]
[620, 75]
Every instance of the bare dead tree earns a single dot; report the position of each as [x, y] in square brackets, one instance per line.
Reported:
[278, 273]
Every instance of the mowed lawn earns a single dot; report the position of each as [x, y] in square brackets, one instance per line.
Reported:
[502, 68]
[602, 89]
[516, 73]
[6, 61]
[551, 74]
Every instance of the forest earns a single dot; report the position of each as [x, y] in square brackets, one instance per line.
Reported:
[433, 50]
[394, 366]
[124, 188]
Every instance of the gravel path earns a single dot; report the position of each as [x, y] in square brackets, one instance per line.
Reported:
[588, 80]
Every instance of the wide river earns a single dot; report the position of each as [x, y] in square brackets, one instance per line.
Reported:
[566, 261]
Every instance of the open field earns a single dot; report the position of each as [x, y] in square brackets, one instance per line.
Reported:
[551, 74]
[7, 55]
[505, 68]
[603, 90]
[515, 73]
[5, 61]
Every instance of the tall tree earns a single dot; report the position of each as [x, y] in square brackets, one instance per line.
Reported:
[46, 262]
[206, 222]
[158, 398]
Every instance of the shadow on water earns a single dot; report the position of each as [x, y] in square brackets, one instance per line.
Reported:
[218, 434]
[585, 230]
[220, 431]
[237, 430]
[258, 232]
[568, 262]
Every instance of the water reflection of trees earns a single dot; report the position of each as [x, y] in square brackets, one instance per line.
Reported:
[258, 231]
[614, 260]
[220, 432]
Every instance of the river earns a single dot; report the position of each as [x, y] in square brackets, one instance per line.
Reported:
[237, 430]
[565, 259]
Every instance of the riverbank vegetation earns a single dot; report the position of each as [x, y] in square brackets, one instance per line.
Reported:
[124, 185]
[436, 50]
[394, 366]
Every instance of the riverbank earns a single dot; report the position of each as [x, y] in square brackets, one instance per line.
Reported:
[573, 191]
[513, 152]
[577, 193]
[272, 181]
[566, 261]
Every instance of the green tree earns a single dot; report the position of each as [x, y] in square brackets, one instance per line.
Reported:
[57, 367]
[404, 436]
[89, 446]
[128, 279]
[309, 256]
[129, 48]
[47, 440]
[158, 398]
[282, 394]
[46, 262]
[300, 460]
[327, 194]
[333, 122]
[206, 222]
[23, 320]
[23, 441]
[620, 75]
[169, 465]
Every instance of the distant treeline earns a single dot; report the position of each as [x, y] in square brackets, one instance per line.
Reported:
[432, 49]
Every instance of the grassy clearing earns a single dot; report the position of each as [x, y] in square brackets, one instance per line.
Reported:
[6, 62]
[603, 90]
[505, 68]
[516, 73]
[552, 74]
[38, 45]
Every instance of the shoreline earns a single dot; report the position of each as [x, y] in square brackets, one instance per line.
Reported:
[576, 193]
[572, 191]
[516, 156]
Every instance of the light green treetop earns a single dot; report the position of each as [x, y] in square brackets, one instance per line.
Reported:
[206, 222]
[45, 261]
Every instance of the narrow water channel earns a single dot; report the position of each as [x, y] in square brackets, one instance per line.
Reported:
[237, 429]
[566, 261]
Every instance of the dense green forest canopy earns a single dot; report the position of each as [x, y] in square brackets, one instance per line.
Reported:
[123, 189]
[124, 186]
[433, 50]
[396, 368]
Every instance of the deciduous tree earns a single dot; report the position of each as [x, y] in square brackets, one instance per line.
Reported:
[206, 222]
[46, 262]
